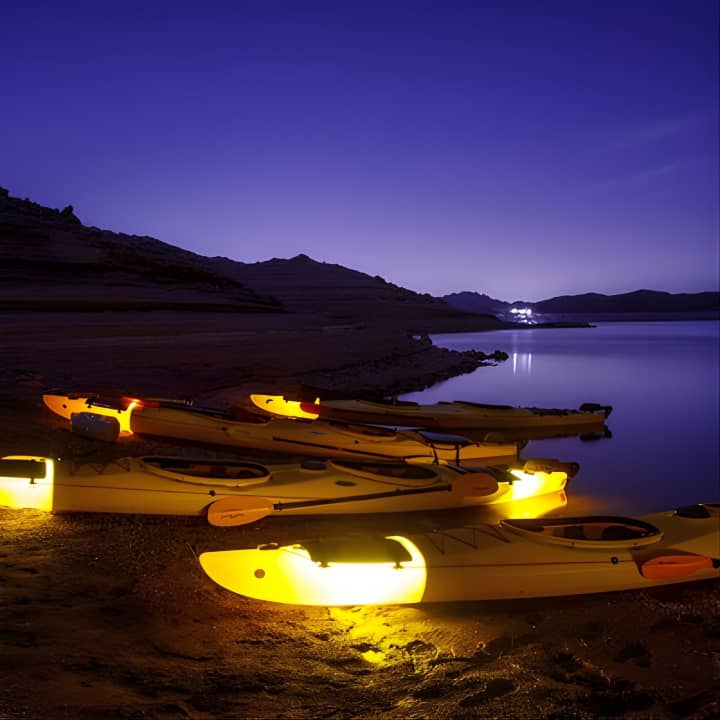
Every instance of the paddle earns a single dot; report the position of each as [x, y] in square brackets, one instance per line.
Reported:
[245, 509]
[671, 567]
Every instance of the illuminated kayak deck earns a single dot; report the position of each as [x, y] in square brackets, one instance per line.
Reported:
[246, 491]
[316, 438]
[513, 559]
[444, 416]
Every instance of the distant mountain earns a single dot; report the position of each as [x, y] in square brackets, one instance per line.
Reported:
[634, 302]
[50, 260]
[476, 302]
[640, 301]
[346, 295]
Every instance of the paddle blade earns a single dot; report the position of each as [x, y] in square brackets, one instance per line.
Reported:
[674, 567]
[240, 510]
[474, 484]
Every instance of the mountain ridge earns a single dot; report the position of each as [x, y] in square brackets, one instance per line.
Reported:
[50, 260]
[636, 301]
[49, 257]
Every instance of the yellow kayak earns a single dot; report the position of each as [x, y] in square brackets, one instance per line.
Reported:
[456, 416]
[235, 492]
[317, 438]
[516, 558]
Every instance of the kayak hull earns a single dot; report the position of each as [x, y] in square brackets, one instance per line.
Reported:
[456, 416]
[474, 563]
[178, 486]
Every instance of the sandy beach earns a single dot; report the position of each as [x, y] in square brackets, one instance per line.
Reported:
[112, 617]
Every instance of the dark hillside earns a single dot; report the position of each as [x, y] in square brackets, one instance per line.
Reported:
[49, 260]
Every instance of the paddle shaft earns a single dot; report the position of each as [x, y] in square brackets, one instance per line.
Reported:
[242, 510]
[280, 506]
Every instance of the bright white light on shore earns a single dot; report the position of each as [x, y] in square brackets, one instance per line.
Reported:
[525, 312]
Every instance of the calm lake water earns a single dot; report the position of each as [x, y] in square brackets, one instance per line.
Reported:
[661, 379]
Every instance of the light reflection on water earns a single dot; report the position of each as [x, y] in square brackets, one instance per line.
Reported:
[661, 379]
[522, 363]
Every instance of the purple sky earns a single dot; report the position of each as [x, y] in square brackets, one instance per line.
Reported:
[520, 148]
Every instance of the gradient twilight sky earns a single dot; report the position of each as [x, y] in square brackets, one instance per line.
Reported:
[521, 148]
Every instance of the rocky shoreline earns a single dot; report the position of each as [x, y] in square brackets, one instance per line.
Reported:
[411, 368]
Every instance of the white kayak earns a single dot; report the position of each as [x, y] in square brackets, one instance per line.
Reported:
[516, 558]
[233, 492]
[456, 416]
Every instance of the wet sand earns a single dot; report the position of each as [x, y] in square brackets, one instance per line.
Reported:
[112, 617]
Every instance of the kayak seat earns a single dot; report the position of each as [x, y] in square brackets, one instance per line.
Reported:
[574, 532]
[240, 473]
[394, 471]
[618, 532]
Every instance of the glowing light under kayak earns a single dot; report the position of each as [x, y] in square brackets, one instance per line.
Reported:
[27, 481]
[532, 507]
[535, 484]
[290, 575]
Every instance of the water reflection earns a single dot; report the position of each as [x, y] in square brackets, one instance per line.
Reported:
[662, 380]
[522, 363]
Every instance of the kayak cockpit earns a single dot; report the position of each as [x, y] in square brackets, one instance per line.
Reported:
[598, 531]
[207, 472]
[407, 474]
